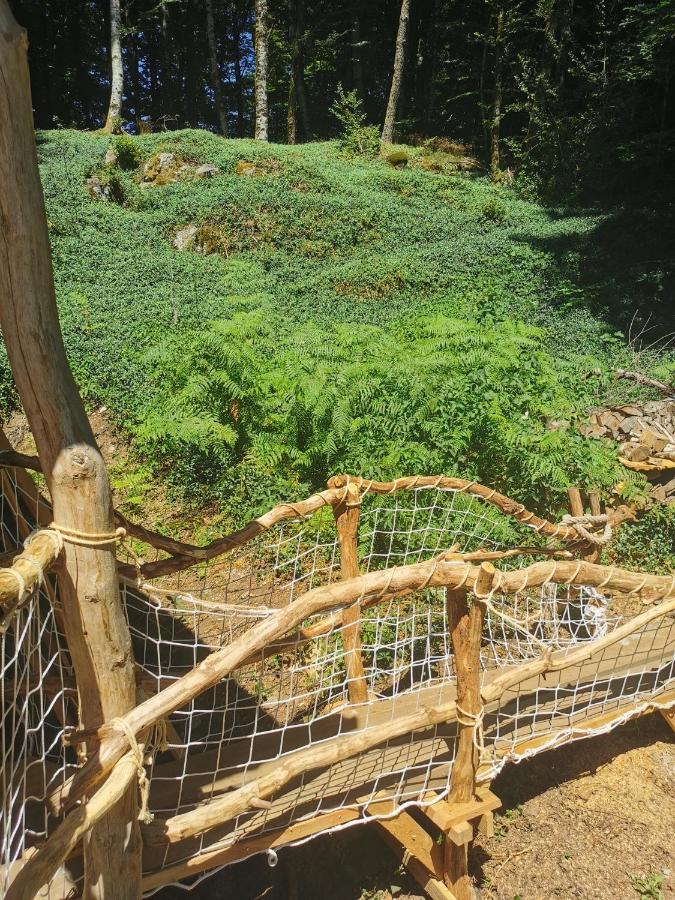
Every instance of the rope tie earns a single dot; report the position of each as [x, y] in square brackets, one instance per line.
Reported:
[88, 539]
[475, 721]
[579, 523]
[158, 742]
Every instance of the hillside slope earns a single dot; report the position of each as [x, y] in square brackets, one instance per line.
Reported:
[332, 313]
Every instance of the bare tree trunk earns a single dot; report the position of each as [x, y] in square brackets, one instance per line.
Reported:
[96, 630]
[296, 98]
[357, 61]
[262, 31]
[239, 94]
[215, 69]
[397, 77]
[497, 101]
[114, 117]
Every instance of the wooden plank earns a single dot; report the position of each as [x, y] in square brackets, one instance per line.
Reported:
[460, 834]
[216, 856]
[409, 834]
[669, 716]
[446, 814]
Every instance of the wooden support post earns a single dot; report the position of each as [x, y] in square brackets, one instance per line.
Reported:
[465, 624]
[346, 514]
[594, 503]
[575, 501]
[96, 629]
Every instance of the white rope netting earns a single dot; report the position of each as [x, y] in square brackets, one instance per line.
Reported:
[37, 700]
[297, 695]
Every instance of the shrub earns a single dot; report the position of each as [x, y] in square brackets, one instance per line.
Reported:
[128, 153]
[493, 211]
[356, 137]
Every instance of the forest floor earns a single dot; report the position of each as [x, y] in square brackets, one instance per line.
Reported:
[593, 820]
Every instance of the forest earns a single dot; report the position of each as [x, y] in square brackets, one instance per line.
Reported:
[434, 232]
[568, 97]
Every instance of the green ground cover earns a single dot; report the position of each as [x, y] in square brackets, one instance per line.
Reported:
[348, 315]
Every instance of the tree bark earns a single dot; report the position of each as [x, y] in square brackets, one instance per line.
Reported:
[215, 68]
[114, 117]
[495, 125]
[397, 77]
[357, 61]
[96, 630]
[261, 70]
[239, 94]
[296, 100]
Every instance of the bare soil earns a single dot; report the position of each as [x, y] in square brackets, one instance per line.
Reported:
[585, 821]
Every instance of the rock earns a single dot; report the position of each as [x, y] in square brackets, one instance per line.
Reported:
[206, 171]
[96, 188]
[634, 452]
[653, 440]
[246, 168]
[110, 158]
[185, 237]
[628, 424]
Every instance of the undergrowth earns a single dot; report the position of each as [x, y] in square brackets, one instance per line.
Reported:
[343, 313]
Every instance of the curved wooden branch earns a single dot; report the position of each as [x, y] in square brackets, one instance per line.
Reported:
[30, 565]
[187, 553]
[447, 483]
[639, 378]
[372, 587]
[41, 868]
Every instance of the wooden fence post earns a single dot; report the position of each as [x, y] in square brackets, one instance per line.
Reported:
[347, 513]
[465, 624]
[96, 629]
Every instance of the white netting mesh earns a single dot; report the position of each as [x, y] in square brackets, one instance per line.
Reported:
[37, 699]
[296, 694]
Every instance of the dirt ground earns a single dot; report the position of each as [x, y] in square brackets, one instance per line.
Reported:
[595, 820]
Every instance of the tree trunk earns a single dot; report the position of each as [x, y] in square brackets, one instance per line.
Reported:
[96, 630]
[215, 68]
[497, 100]
[261, 68]
[239, 94]
[357, 60]
[114, 117]
[166, 93]
[397, 77]
[296, 29]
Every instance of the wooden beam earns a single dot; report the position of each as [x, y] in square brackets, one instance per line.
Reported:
[96, 630]
[669, 716]
[346, 514]
[465, 624]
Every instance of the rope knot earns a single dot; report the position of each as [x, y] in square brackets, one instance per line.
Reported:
[136, 748]
[579, 523]
[475, 721]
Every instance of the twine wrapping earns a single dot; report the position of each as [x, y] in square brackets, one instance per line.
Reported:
[579, 524]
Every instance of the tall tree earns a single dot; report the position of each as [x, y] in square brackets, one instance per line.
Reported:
[397, 76]
[495, 125]
[114, 116]
[215, 68]
[262, 33]
[296, 92]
